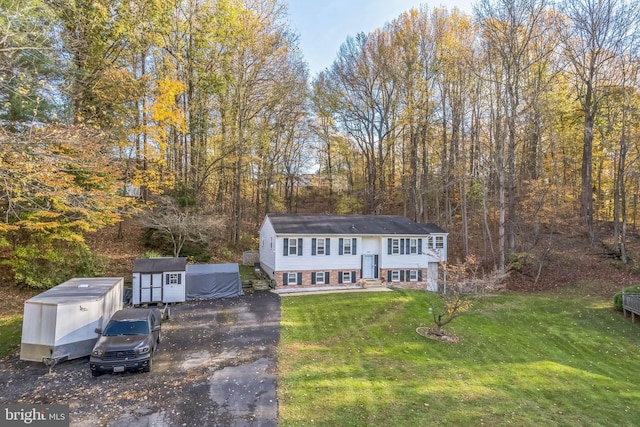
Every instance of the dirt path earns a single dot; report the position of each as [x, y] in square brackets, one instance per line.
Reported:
[216, 366]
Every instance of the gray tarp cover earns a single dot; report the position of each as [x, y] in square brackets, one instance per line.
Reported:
[213, 281]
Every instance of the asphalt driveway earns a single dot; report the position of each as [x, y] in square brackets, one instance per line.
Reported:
[216, 366]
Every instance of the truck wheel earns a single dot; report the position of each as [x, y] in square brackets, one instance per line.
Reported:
[149, 366]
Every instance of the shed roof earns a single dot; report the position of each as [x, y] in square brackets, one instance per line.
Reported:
[159, 265]
[349, 225]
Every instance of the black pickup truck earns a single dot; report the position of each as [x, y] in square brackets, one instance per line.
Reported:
[128, 342]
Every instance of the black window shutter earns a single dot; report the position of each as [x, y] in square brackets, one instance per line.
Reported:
[401, 246]
[299, 278]
[327, 246]
[408, 242]
[388, 275]
[326, 277]
[285, 252]
[179, 279]
[375, 266]
[353, 277]
[313, 246]
[389, 242]
[340, 277]
[340, 246]
[285, 276]
[419, 275]
[313, 278]
[299, 247]
[353, 246]
[402, 275]
[420, 246]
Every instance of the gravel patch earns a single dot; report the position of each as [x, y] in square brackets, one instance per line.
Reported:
[216, 366]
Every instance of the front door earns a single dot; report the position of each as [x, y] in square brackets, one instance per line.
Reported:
[368, 266]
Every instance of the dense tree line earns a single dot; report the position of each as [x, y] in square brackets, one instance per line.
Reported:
[492, 125]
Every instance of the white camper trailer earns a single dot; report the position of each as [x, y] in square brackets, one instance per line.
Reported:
[159, 280]
[60, 323]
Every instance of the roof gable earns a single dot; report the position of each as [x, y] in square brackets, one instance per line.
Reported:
[349, 225]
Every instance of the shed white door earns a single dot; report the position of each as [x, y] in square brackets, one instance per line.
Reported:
[150, 288]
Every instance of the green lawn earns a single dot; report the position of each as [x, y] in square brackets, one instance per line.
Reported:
[525, 360]
[10, 332]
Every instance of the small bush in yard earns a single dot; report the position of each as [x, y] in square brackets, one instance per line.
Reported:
[617, 298]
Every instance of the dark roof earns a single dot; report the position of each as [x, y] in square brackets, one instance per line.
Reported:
[349, 224]
[159, 265]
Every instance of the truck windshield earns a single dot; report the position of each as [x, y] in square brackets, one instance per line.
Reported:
[126, 327]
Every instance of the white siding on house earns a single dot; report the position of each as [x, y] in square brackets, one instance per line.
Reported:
[307, 261]
[268, 247]
[370, 245]
[403, 260]
[432, 277]
[435, 253]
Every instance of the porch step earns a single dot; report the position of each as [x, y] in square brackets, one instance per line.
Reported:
[373, 283]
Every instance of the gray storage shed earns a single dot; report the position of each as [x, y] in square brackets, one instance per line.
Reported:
[213, 281]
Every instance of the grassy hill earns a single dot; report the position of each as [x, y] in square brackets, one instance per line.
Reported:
[550, 358]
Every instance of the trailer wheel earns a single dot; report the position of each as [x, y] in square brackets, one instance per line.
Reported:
[95, 373]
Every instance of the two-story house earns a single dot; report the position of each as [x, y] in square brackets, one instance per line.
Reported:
[327, 250]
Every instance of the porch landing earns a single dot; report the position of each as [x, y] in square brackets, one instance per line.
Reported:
[329, 290]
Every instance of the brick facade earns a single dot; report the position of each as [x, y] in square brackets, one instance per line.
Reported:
[334, 280]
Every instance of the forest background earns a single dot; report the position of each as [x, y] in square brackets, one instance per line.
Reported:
[506, 128]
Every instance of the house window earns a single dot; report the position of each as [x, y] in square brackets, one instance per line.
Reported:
[439, 242]
[320, 247]
[413, 246]
[292, 279]
[395, 275]
[173, 278]
[413, 275]
[395, 246]
[346, 247]
[346, 276]
[293, 246]
[319, 277]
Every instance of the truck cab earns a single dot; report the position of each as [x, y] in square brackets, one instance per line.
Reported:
[128, 342]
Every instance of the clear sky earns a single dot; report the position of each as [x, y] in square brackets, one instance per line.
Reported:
[323, 25]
